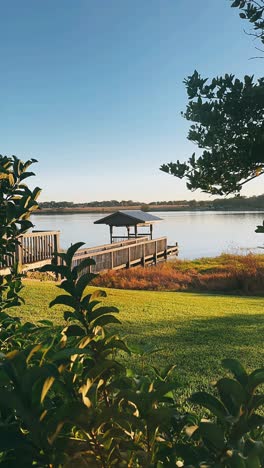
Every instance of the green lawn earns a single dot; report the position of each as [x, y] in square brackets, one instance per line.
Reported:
[192, 331]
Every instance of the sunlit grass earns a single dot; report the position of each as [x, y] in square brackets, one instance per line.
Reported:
[192, 331]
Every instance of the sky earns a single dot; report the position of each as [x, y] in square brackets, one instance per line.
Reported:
[93, 89]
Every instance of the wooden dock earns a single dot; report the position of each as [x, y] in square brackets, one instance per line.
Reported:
[127, 254]
[36, 249]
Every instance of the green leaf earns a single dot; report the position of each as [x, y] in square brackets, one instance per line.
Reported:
[65, 300]
[9, 400]
[71, 251]
[48, 323]
[255, 421]
[117, 344]
[83, 282]
[65, 354]
[105, 365]
[57, 269]
[211, 403]
[235, 4]
[88, 304]
[188, 453]
[212, 435]
[25, 225]
[68, 315]
[105, 320]
[237, 370]
[254, 448]
[232, 395]
[164, 390]
[100, 311]
[46, 387]
[237, 461]
[257, 401]
[68, 286]
[36, 192]
[11, 438]
[256, 378]
[25, 175]
[83, 265]
[35, 373]
[253, 462]
[74, 330]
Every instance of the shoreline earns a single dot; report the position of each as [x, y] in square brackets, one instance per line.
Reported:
[152, 208]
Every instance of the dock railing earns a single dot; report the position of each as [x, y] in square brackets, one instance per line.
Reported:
[34, 248]
[130, 254]
[115, 245]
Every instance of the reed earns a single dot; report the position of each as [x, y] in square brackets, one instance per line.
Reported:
[238, 274]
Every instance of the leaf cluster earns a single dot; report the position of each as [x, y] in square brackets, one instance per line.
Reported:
[17, 202]
[253, 11]
[227, 117]
[228, 124]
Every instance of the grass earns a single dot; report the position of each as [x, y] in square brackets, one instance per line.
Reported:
[236, 274]
[192, 331]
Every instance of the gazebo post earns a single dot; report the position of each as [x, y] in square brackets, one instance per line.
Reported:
[128, 232]
[136, 231]
[111, 233]
[151, 231]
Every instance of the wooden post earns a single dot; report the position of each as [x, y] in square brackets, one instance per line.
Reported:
[111, 234]
[136, 231]
[19, 252]
[128, 232]
[128, 257]
[56, 250]
[151, 231]
[143, 255]
[112, 260]
[57, 242]
[166, 250]
[156, 251]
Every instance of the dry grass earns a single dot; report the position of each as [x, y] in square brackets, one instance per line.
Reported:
[227, 273]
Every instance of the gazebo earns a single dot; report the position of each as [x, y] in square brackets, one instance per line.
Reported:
[130, 219]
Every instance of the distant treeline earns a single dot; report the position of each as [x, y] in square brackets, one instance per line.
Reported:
[235, 203]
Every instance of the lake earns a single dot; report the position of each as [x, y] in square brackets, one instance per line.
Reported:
[198, 233]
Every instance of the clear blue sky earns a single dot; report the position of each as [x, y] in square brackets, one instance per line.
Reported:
[93, 89]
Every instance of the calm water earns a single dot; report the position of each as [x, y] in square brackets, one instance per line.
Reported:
[198, 234]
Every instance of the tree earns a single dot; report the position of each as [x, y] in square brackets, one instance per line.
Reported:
[253, 10]
[228, 124]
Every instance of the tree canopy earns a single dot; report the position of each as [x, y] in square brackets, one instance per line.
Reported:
[252, 10]
[227, 116]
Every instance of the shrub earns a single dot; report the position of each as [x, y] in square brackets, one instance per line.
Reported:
[227, 273]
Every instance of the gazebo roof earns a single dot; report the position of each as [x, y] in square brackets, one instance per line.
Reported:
[128, 218]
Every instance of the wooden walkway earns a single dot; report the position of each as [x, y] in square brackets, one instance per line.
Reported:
[36, 249]
[127, 254]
